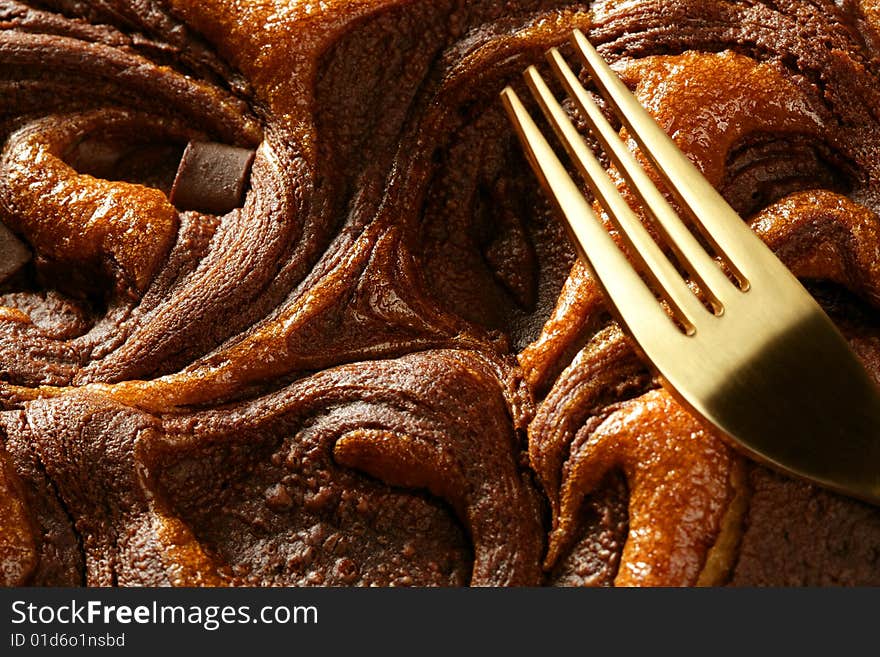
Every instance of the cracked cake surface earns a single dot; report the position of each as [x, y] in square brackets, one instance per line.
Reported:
[386, 367]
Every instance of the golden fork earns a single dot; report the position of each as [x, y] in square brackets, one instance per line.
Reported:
[765, 365]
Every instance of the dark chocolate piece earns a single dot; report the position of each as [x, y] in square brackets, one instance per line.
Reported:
[13, 253]
[212, 177]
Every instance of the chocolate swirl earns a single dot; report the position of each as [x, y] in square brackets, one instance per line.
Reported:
[385, 367]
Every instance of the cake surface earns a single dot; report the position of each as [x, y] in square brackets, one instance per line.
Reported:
[386, 367]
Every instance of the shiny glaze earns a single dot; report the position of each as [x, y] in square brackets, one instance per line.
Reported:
[385, 368]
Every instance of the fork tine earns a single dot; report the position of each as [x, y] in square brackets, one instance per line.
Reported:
[654, 264]
[690, 253]
[639, 310]
[726, 231]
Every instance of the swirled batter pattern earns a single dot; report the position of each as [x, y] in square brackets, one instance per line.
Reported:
[386, 366]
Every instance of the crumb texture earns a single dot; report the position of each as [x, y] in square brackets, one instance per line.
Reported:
[387, 367]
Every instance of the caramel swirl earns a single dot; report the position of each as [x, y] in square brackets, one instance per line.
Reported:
[79, 222]
[386, 367]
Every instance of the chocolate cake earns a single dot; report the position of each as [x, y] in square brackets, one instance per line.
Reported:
[373, 358]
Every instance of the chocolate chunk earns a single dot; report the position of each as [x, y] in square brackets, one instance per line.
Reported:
[13, 253]
[212, 177]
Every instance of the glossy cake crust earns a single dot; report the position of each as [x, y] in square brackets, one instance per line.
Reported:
[386, 367]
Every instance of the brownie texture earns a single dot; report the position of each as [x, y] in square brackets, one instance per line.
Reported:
[387, 367]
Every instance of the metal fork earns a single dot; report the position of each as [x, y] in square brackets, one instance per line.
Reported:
[765, 366]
